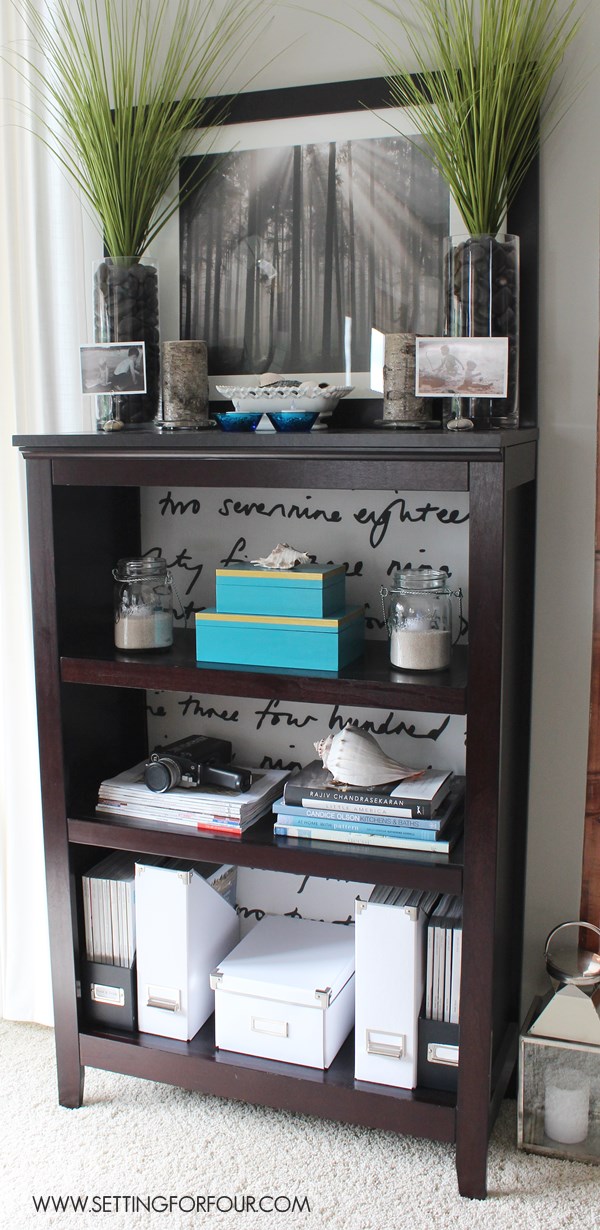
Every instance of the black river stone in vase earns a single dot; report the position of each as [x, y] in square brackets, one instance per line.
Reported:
[482, 300]
[126, 310]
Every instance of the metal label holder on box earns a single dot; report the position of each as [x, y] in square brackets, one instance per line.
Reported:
[108, 993]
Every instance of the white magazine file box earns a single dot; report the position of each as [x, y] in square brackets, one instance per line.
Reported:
[183, 928]
[390, 978]
[287, 991]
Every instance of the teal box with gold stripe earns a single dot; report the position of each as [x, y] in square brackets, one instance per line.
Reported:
[311, 590]
[280, 640]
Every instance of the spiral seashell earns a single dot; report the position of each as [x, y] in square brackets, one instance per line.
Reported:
[354, 758]
[282, 557]
[322, 748]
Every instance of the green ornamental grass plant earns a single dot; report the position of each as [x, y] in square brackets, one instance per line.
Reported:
[488, 67]
[121, 84]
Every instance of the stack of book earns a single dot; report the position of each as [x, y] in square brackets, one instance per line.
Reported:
[108, 985]
[423, 814]
[115, 934]
[212, 809]
[108, 910]
[444, 959]
[109, 901]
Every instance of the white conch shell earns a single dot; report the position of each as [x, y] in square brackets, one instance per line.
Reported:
[354, 758]
[282, 557]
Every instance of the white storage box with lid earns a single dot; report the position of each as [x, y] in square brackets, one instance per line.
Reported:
[287, 991]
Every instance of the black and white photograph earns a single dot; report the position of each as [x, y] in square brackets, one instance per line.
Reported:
[461, 367]
[290, 254]
[113, 368]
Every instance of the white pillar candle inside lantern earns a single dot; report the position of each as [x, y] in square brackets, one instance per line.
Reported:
[567, 1105]
[559, 1064]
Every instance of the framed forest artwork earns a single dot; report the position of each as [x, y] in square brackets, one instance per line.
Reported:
[320, 219]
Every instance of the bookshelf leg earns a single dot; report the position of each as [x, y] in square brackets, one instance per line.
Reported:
[471, 1168]
[70, 1085]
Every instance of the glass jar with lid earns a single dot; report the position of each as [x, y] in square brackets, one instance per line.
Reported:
[418, 617]
[143, 604]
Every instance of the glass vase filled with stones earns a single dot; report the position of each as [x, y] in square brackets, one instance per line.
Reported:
[418, 616]
[126, 310]
[481, 298]
[143, 605]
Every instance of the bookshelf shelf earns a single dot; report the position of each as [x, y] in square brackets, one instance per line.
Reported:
[198, 1065]
[368, 682]
[259, 848]
[84, 514]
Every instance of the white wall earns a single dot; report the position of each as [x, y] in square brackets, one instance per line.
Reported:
[570, 196]
[569, 327]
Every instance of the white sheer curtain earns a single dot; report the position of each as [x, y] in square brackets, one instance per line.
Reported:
[46, 246]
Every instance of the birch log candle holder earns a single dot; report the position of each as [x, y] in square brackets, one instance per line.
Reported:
[401, 408]
[184, 385]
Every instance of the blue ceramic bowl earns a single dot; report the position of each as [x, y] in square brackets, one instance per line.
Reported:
[292, 420]
[237, 420]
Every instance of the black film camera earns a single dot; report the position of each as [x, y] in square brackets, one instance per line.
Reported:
[194, 761]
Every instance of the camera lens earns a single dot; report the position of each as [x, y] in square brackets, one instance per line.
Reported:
[161, 774]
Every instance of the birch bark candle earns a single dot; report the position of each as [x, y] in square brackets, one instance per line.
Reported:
[399, 402]
[185, 384]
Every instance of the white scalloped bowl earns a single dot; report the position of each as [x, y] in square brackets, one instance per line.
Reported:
[282, 398]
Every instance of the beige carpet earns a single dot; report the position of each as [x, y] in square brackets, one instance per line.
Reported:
[141, 1141]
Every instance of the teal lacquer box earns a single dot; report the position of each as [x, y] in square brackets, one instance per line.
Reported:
[280, 640]
[311, 590]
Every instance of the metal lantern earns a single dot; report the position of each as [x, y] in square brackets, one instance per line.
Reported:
[559, 1060]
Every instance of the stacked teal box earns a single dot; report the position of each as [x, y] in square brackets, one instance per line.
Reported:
[296, 619]
[278, 640]
[311, 590]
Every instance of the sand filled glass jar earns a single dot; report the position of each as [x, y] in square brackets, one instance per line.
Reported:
[418, 616]
[143, 604]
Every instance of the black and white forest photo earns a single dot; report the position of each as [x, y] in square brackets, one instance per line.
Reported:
[289, 256]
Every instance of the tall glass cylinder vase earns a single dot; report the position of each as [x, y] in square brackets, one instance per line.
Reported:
[481, 298]
[125, 293]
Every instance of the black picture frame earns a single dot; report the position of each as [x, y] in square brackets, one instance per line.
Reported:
[361, 96]
[329, 98]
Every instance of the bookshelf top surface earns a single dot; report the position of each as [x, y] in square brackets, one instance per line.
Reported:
[331, 443]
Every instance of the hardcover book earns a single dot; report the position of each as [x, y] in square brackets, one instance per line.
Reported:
[420, 796]
[294, 813]
[389, 839]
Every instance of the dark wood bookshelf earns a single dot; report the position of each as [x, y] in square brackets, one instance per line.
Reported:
[84, 514]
